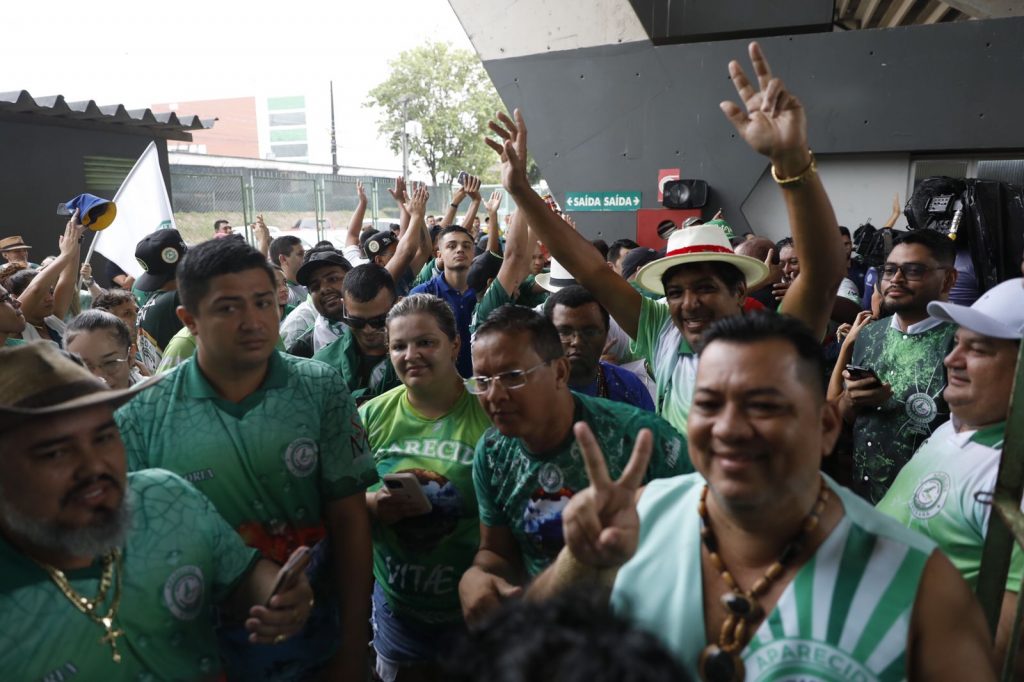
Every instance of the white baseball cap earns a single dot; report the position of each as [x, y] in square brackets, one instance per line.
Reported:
[999, 312]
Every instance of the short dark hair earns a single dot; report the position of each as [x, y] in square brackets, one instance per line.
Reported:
[98, 320]
[111, 298]
[783, 243]
[202, 263]
[324, 244]
[365, 281]
[218, 223]
[845, 231]
[515, 319]
[19, 281]
[602, 246]
[616, 248]
[731, 276]
[768, 326]
[573, 296]
[572, 637]
[282, 246]
[942, 247]
[452, 229]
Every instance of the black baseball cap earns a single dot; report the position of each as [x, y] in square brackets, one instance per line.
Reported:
[636, 259]
[317, 259]
[158, 254]
[378, 242]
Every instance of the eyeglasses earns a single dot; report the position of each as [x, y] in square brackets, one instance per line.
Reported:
[911, 271]
[509, 380]
[585, 334]
[107, 367]
[376, 322]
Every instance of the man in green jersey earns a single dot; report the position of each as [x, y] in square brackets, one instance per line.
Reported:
[758, 563]
[275, 443]
[937, 492]
[702, 279]
[895, 409]
[361, 352]
[528, 467]
[319, 317]
[108, 576]
[159, 253]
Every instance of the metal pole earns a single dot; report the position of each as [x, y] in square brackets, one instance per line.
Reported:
[334, 139]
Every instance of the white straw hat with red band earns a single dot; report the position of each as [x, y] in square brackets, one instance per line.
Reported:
[700, 244]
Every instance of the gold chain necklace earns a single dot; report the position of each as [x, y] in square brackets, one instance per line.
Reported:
[89, 606]
[721, 661]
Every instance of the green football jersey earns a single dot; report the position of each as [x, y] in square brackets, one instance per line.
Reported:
[269, 463]
[419, 560]
[366, 376]
[526, 492]
[180, 348]
[671, 359]
[180, 560]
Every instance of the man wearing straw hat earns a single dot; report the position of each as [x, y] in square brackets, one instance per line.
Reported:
[701, 276]
[108, 575]
[15, 250]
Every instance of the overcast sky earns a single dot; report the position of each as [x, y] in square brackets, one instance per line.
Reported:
[137, 54]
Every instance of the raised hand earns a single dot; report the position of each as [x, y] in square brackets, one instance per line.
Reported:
[600, 523]
[73, 232]
[417, 204]
[398, 192]
[773, 122]
[494, 202]
[472, 187]
[360, 192]
[511, 150]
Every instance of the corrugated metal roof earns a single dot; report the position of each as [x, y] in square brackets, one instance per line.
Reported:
[55, 108]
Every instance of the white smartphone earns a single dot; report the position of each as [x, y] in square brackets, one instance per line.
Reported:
[406, 486]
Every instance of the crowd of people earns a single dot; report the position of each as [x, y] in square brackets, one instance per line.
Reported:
[502, 451]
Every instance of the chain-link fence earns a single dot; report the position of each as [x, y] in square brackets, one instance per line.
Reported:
[311, 206]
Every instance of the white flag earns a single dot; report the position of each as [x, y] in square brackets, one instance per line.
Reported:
[142, 208]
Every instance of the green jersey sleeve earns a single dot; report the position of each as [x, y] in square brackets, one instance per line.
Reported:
[653, 316]
[493, 298]
[490, 513]
[347, 461]
[180, 348]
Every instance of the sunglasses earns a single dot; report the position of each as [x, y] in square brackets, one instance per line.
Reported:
[377, 322]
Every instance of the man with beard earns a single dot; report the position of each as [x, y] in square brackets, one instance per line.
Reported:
[107, 575]
[527, 468]
[456, 248]
[895, 409]
[702, 278]
[276, 444]
[582, 325]
[313, 324]
[361, 352]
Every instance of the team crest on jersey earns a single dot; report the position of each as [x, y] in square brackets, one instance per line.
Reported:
[921, 409]
[183, 592]
[550, 477]
[300, 457]
[930, 496]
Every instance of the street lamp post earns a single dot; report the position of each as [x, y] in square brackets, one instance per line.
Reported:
[405, 136]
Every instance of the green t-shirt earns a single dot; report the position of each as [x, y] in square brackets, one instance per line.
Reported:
[13, 342]
[180, 560]
[670, 357]
[180, 348]
[418, 561]
[427, 273]
[495, 296]
[527, 492]
[269, 463]
[885, 438]
[936, 494]
[366, 376]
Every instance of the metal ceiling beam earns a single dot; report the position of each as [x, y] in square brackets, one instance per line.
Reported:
[897, 12]
[988, 9]
[866, 10]
[934, 12]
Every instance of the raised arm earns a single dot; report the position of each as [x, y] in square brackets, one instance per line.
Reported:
[494, 231]
[473, 191]
[773, 123]
[54, 274]
[409, 242]
[262, 236]
[453, 208]
[67, 281]
[516, 262]
[566, 245]
[355, 224]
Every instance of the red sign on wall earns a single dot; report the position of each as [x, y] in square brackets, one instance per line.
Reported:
[665, 175]
[648, 219]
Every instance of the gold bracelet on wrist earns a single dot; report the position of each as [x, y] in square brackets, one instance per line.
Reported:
[800, 178]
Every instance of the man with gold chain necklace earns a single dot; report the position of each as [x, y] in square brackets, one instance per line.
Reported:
[758, 567]
[108, 576]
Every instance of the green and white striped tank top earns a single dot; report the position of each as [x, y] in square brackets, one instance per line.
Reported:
[845, 616]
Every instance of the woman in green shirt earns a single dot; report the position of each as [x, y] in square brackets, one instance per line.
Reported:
[425, 432]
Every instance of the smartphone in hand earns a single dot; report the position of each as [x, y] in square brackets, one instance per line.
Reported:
[290, 572]
[406, 486]
[857, 373]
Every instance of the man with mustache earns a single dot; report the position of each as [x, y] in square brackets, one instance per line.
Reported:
[276, 444]
[107, 575]
[894, 411]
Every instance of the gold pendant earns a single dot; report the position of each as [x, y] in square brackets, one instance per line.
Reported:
[111, 637]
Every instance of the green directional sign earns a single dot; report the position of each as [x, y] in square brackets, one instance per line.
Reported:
[602, 201]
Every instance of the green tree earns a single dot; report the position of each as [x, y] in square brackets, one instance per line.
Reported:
[449, 93]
